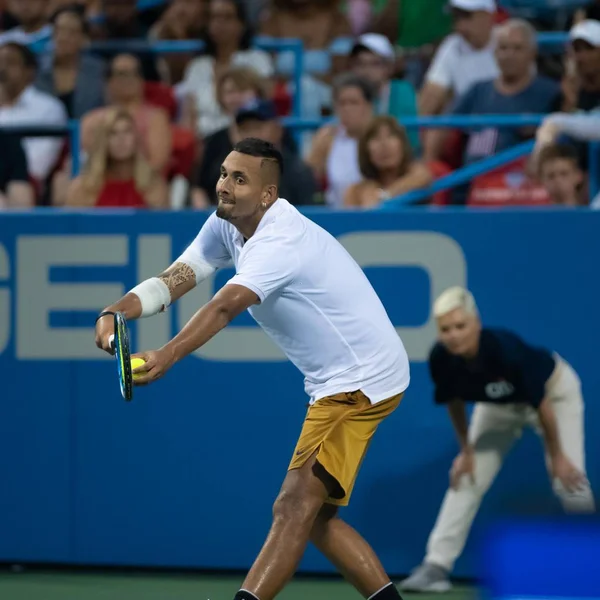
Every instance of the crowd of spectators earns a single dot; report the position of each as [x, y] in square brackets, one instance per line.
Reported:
[154, 128]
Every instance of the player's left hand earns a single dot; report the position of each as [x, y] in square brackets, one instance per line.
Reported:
[156, 364]
[567, 473]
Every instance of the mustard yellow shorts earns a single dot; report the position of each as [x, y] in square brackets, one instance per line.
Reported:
[340, 428]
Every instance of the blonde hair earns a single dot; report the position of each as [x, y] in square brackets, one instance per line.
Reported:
[94, 175]
[453, 298]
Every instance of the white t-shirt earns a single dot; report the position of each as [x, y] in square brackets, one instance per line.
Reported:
[315, 302]
[343, 169]
[34, 107]
[457, 65]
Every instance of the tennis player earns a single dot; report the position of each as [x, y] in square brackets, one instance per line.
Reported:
[314, 301]
[514, 385]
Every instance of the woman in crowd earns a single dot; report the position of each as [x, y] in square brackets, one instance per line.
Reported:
[117, 174]
[227, 44]
[387, 165]
[75, 78]
[334, 153]
[125, 87]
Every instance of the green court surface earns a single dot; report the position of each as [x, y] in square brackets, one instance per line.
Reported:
[80, 586]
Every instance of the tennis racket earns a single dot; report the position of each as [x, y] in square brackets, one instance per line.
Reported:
[120, 344]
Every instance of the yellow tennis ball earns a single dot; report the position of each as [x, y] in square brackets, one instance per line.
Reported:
[135, 363]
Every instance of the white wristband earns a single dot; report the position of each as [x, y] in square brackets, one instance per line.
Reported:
[154, 296]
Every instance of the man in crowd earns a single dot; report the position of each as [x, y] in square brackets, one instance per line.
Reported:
[22, 104]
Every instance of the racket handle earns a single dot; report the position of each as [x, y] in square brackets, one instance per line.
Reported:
[111, 341]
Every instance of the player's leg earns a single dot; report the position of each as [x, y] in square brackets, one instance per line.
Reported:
[342, 454]
[349, 552]
[492, 432]
[567, 400]
[333, 442]
[294, 511]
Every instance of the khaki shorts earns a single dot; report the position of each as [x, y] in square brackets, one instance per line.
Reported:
[340, 429]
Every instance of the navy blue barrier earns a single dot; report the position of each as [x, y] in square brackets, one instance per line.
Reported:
[185, 475]
[542, 559]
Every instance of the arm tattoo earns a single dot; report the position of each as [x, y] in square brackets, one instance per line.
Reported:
[179, 273]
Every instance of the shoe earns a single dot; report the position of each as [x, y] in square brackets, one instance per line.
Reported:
[427, 578]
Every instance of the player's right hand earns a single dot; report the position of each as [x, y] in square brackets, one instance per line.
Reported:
[105, 329]
[464, 464]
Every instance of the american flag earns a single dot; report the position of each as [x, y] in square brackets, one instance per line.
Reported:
[482, 143]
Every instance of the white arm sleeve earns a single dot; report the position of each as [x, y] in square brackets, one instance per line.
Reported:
[204, 256]
[207, 252]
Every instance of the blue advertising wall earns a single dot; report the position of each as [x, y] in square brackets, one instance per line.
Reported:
[185, 475]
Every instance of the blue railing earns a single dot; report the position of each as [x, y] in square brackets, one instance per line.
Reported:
[458, 177]
[148, 4]
[486, 165]
[437, 121]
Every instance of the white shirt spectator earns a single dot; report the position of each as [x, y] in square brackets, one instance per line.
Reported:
[199, 80]
[343, 169]
[19, 36]
[315, 302]
[457, 65]
[37, 108]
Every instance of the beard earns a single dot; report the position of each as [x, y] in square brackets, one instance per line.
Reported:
[225, 208]
[222, 212]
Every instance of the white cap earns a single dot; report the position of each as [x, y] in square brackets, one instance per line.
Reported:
[473, 5]
[588, 31]
[377, 44]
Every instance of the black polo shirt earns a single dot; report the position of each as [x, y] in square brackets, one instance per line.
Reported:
[13, 163]
[506, 370]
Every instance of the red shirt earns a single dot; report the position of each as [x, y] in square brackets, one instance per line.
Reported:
[508, 186]
[122, 194]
